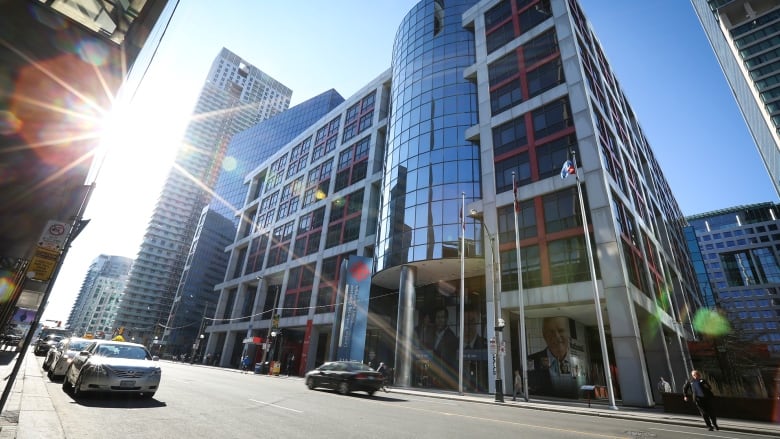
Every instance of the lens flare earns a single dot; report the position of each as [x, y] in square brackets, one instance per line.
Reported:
[229, 163]
[710, 322]
[6, 288]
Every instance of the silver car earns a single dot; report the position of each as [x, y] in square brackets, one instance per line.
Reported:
[113, 366]
[59, 358]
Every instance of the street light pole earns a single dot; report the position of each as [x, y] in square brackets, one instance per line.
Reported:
[267, 341]
[499, 326]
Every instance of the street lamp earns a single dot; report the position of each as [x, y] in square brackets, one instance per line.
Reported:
[271, 322]
[499, 326]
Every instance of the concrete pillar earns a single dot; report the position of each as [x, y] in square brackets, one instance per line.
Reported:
[656, 353]
[635, 388]
[404, 342]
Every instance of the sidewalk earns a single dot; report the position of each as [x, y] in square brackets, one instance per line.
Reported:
[29, 413]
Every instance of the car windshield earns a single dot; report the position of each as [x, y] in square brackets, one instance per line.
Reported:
[78, 345]
[119, 351]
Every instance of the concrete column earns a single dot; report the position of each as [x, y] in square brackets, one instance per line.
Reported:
[635, 388]
[656, 353]
[404, 341]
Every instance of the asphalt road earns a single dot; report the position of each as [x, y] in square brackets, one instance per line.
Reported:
[201, 402]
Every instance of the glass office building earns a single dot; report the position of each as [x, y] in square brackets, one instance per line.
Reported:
[745, 36]
[416, 172]
[738, 253]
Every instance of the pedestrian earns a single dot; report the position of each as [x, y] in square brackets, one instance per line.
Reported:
[383, 370]
[208, 359]
[700, 390]
[518, 385]
[664, 386]
[245, 364]
[290, 363]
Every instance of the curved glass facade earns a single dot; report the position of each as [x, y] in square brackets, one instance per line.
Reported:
[428, 162]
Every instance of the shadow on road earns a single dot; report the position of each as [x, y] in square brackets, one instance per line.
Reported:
[117, 401]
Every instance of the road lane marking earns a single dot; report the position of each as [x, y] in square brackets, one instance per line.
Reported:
[270, 404]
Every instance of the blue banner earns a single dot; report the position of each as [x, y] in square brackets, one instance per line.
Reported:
[357, 291]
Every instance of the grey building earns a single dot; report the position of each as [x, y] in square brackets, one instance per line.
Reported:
[745, 36]
[236, 96]
[94, 310]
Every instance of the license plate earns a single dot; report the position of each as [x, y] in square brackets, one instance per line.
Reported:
[127, 383]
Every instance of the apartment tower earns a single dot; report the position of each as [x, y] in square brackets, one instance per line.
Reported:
[236, 96]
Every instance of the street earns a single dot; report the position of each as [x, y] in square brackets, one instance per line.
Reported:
[207, 402]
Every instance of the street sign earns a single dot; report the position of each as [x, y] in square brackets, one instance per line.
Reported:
[54, 235]
[42, 264]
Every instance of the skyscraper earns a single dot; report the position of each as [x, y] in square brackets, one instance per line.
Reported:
[745, 36]
[95, 307]
[236, 96]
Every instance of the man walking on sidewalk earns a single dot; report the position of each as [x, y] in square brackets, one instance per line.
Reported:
[702, 394]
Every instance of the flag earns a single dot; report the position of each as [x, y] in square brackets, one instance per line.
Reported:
[462, 220]
[514, 189]
[568, 168]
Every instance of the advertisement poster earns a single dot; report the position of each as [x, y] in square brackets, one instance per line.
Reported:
[357, 290]
[558, 360]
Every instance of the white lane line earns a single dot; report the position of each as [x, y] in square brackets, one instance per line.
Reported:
[275, 406]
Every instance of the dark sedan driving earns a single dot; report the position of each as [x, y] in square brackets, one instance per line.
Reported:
[345, 377]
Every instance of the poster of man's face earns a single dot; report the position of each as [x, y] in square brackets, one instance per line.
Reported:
[555, 368]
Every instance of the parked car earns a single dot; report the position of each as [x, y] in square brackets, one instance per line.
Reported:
[345, 377]
[113, 366]
[59, 358]
[43, 345]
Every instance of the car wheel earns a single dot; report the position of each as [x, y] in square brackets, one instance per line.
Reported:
[343, 388]
[77, 388]
[310, 383]
[67, 387]
[147, 395]
[370, 392]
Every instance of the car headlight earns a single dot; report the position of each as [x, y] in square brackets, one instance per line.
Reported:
[155, 372]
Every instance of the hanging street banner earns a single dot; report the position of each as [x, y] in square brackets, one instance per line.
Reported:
[357, 290]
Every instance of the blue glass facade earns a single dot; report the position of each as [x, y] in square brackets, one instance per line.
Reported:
[253, 146]
[429, 162]
[737, 261]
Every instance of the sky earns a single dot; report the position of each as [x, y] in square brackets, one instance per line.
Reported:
[657, 50]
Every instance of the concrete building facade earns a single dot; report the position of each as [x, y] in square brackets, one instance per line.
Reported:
[480, 96]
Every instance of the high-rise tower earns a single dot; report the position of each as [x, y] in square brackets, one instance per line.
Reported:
[95, 308]
[236, 96]
[745, 36]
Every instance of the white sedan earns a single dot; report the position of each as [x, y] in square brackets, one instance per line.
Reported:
[113, 366]
[58, 359]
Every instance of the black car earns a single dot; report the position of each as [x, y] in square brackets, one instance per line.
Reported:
[345, 377]
[43, 345]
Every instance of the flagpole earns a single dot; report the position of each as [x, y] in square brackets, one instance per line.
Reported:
[462, 287]
[520, 296]
[596, 299]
